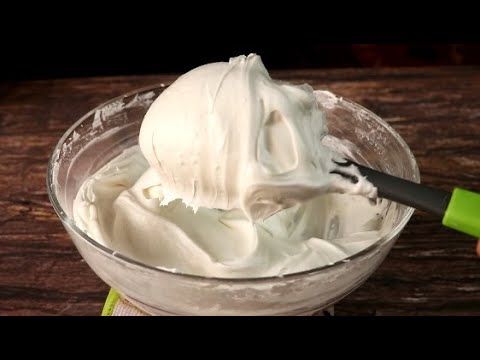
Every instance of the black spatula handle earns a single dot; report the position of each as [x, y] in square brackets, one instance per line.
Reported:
[407, 192]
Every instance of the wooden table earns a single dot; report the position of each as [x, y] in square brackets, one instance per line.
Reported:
[430, 271]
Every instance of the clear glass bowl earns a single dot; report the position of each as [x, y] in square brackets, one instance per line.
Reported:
[105, 131]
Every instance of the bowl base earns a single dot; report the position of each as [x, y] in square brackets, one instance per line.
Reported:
[131, 307]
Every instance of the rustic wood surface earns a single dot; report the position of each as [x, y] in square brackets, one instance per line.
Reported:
[430, 271]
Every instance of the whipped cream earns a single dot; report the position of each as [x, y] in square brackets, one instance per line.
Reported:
[231, 178]
[120, 207]
[227, 136]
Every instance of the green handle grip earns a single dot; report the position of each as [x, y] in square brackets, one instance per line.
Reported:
[463, 212]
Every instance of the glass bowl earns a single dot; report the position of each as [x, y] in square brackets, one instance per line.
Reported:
[107, 130]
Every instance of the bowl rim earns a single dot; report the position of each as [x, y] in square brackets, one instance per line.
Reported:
[117, 256]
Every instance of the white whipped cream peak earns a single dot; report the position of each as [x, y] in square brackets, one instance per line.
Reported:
[226, 136]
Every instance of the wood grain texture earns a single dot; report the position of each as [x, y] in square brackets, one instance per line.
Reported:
[430, 271]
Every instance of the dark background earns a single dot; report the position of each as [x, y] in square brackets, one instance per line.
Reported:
[55, 58]
[42, 40]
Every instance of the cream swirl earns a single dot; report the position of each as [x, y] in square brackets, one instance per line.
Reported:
[119, 206]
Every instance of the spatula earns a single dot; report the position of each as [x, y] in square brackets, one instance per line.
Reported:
[459, 209]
